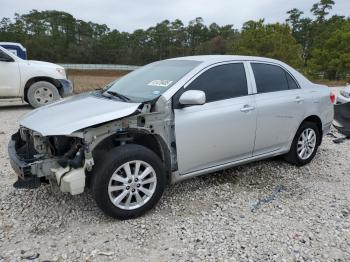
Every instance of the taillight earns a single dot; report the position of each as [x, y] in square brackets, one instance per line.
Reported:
[332, 97]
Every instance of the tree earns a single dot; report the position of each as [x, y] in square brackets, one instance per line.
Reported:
[332, 58]
[272, 40]
[178, 39]
[302, 29]
[321, 9]
[294, 19]
[317, 45]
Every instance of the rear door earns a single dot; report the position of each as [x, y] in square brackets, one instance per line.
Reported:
[279, 102]
[9, 76]
[223, 129]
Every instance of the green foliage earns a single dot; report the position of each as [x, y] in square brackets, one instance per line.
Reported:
[333, 56]
[59, 37]
[272, 40]
[317, 46]
[324, 42]
[321, 9]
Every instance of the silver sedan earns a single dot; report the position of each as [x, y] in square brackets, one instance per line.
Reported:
[170, 121]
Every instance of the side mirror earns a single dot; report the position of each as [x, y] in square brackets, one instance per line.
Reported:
[192, 97]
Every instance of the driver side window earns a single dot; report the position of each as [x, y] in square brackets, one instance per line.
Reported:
[222, 82]
[219, 83]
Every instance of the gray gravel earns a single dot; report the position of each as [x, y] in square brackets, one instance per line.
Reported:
[263, 211]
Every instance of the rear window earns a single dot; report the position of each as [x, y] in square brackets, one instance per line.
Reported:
[291, 82]
[269, 78]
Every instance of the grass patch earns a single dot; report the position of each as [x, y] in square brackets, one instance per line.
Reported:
[90, 80]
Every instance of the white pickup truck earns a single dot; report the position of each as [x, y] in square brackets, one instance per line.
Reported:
[37, 83]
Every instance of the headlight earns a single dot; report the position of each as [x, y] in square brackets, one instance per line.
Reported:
[24, 133]
[61, 71]
[345, 94]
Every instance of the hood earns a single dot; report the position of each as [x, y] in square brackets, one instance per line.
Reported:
[74, 113]
[41, 63]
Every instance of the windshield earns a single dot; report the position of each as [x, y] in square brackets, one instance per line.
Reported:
[150, 81]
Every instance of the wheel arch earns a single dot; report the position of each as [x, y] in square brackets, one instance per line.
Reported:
[316, 120]
[151, 141]
[36, 79]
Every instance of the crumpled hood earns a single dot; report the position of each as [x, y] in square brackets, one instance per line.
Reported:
[74, 113]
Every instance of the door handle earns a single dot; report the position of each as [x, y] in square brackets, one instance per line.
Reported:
[247, 108]
[298, 99]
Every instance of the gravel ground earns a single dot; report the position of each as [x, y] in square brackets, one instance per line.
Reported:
[268, 210]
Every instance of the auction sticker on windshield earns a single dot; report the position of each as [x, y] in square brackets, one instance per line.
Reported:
[161, 83]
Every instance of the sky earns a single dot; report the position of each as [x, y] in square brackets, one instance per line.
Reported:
[129, 15]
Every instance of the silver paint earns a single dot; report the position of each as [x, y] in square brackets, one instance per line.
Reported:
[206, 137]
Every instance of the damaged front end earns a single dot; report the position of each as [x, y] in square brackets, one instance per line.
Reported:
[38, 159]
[69, 159]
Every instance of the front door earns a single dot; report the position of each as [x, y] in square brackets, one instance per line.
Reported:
[223, 129]
[9, 76]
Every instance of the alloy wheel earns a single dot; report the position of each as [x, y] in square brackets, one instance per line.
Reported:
[132, 185]
[306, 143]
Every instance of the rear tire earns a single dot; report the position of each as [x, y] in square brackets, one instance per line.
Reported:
[303, 150]
[122, 195]
[42, 93]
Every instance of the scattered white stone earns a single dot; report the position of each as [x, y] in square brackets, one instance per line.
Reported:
[204, 219]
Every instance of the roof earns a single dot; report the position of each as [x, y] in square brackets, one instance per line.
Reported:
[13, 43]
[222, 58]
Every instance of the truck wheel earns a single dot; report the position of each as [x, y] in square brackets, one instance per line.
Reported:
[42, 93]
[128, 182]
[304, 145]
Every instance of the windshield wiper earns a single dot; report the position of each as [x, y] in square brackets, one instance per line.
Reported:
[122, 97]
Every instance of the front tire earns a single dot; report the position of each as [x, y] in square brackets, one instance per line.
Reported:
[42, 93]
[304, 145]
[129, 182]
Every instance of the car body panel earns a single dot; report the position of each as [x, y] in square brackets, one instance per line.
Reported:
[30, 69]
[342, 118]
[66, 87]
[344, 95]
[211, 134]
[200, 138]
[15, 75]
[10, 82]
[74, 113]
[197, 125]
[15, 48]
[278, 114]
[317, 99]
[211, 60]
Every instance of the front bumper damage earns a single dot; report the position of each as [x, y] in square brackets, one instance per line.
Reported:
[68, 156]
[22, 168]
[34, 169]
[66, 87]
